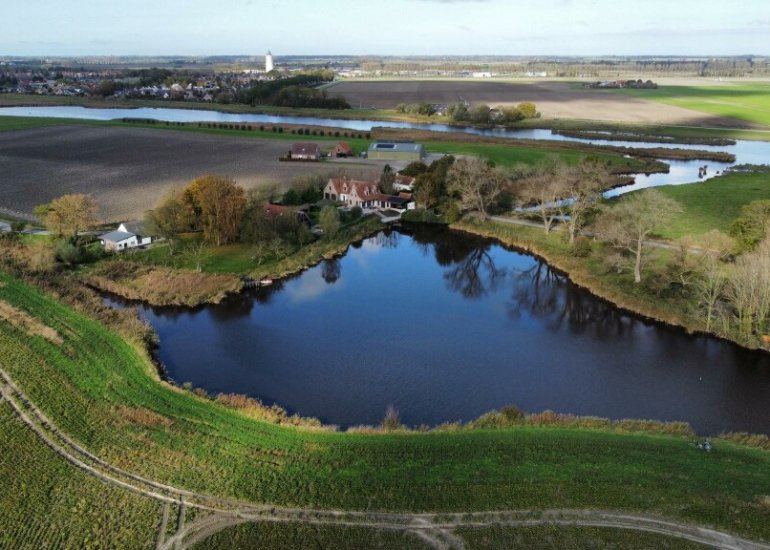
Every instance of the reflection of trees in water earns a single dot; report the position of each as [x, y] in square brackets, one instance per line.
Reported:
[264, 294]
[387, 239]
[233, 307]
[331, 270]
[475, 274]
[544, 293]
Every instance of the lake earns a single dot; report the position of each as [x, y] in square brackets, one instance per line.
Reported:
[446, 326]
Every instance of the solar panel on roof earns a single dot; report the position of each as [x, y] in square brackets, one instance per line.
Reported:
[386, 146]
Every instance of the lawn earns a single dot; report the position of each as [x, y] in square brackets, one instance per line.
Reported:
[100, 389]
[749, 102]
[713, 204]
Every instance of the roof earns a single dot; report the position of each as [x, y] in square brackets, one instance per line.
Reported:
[346, 186]
[397, 147]
[344, 147]
[392, 199]
[305, 149]
[117, 236]
[275, 209]
[404, 180]
[134, 227]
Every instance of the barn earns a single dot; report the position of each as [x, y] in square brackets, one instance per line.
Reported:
[408, 151]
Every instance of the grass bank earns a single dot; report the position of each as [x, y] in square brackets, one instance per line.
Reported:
[90, 382]
[714, 203]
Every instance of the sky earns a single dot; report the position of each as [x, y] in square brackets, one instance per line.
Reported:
[385, 27]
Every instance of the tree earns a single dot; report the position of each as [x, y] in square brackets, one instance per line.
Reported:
[68, 215]
[527, 110]
[387, 178]
[584, 186]
[220, 204]
[544, 188]
[170, 218]
[627, 225]
[751, 226]
[475, 182]
[329, 221]
[748, 292]
[197, 254]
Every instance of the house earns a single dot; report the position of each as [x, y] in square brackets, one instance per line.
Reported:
[351, 192]
[391, 202]
[342, 150]
[305, 151]
[137, 228]
[408, 151]
[403, 183]
[116, 241]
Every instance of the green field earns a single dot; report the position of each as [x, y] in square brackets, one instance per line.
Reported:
[101, 391]
[713, 204]
[747, 102]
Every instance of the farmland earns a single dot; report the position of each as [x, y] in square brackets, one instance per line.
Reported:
[128, 169]
[555, 100]
[749, 102]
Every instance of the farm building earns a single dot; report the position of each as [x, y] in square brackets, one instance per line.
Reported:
[342, 150]
[305, 151]
[278, 210]
[402, 150]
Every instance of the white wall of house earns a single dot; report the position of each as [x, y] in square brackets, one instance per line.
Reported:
[131, 242]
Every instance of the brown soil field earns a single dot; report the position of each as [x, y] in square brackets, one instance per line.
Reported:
[553, 99]
[127, 170]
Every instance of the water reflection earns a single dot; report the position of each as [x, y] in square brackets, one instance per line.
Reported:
[475, 274]
[331, 270]
[415, 310]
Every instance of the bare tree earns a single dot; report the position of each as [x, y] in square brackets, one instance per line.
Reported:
[584, 185]
[628, 224]
[545, 187]
[748, 292]
[197, 253]
[475, 182]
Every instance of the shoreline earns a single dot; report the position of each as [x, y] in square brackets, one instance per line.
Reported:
[629, 305]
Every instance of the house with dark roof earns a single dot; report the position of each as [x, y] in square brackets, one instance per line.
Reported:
[305, 151]
[127, 235]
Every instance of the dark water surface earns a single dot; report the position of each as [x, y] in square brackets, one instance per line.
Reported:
[446, 326]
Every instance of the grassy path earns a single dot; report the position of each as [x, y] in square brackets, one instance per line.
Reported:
[435, 529]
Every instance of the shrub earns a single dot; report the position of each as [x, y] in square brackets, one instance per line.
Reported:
[582, 247]
[68, 254]
[391, 421]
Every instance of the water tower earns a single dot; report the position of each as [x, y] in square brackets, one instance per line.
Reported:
[269, 65]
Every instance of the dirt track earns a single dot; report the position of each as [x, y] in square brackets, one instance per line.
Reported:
[553, 100]
[436, 530]
[128, 169]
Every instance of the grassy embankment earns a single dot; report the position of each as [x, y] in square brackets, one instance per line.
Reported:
[749, 102]
[102, 390]
[713, 204]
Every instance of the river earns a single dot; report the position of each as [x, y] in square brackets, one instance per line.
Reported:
[682, 172]
[446, 326]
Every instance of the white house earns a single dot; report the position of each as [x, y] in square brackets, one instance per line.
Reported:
[403, 183]
[118, 240]
[137, 228]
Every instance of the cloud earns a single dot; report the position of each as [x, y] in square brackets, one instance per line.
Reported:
[465, 28]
